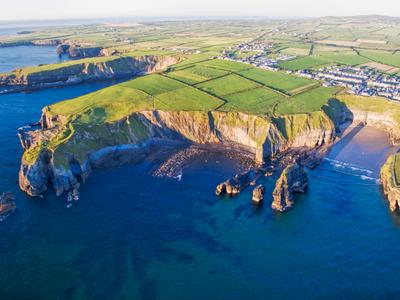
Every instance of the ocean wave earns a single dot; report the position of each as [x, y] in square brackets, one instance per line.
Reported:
[350, 169]
[346, 165]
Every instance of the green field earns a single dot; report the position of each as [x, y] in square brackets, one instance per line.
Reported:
[227, 85]
[154, 84]
[345, 59]
[256, 101]
[277, 80]
[226, 65]
[243, 92]
[196, 74]
[309, 101]
[105, 105]
[187, 98]
[386, 58]
[302, 63]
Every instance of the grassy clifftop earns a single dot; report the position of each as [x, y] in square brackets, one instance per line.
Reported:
[292, 103]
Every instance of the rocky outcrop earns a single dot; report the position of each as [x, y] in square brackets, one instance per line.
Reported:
[235, 185]
[68, 74]
[388, 181]
[70, 155]
[78, 52]
[258, 194]
[293, 179]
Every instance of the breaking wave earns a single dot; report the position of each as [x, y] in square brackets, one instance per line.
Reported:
[352, 170]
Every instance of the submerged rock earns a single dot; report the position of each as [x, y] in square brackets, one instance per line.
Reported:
[258, 193]
[7, 205]
[292, 179]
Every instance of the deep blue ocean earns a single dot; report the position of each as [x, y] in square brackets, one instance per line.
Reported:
[135, 236]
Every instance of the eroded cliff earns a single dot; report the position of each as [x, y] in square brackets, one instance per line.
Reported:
[88, 70]
[389, 183]
[64, 151]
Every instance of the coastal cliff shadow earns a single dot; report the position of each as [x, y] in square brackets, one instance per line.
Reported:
[343, 119]
[344, 141]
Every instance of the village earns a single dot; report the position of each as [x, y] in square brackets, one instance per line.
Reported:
[364, 80]
[259, 55]
[361, 80]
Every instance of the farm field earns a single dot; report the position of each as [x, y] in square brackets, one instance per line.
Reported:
[386, 58]
[227, 85]
[196, 74]
[309, 101]
[187, 98]
[254, 91]
[154, 84]
[279, 81]
[305, 62]
[256, 101]
[352, 59]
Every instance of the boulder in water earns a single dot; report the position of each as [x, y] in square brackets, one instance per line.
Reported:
[236, 184]
[258, 194]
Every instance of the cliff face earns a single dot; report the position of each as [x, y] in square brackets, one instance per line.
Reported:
[385, 121]
[77, 52]
[390, 188]
[64, 153]
[87, 71]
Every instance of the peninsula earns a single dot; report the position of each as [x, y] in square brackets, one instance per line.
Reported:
[271, 88]
[210, 102]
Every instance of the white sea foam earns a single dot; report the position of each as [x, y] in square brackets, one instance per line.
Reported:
[345, 165]
[352, 170]
[179, 176]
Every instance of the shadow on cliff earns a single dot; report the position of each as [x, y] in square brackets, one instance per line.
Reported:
[343, 119]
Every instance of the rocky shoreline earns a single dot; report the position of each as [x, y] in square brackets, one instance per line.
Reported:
[292, 178]
[303, 139]
[260, 136]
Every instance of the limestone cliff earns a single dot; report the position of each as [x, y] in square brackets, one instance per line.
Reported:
[92, 70]
[63, 152]
[388, 180]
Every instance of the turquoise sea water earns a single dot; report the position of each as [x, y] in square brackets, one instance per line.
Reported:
[135, 236]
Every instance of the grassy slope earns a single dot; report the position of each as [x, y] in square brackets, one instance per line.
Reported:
[253, 90]
[276, 80]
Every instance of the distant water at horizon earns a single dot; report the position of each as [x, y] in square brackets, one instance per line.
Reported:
[12, 58]
[135, 236]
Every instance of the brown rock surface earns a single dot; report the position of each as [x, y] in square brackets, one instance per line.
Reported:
[293, 179]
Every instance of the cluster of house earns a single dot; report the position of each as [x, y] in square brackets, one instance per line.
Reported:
[363, 80]
[260, 58]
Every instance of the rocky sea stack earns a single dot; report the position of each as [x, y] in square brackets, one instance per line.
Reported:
[258, 194]
[293, 179]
